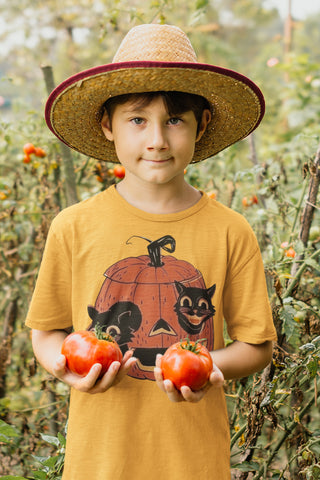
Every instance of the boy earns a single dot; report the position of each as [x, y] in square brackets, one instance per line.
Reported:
[155, 109]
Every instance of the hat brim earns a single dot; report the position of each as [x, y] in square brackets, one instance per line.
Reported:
[73, 110]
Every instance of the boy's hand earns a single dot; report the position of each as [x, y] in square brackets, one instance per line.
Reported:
[186, 394]
[91, 382]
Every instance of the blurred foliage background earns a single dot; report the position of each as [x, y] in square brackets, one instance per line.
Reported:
[272, 178]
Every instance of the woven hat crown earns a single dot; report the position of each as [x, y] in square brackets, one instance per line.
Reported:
[161, 43]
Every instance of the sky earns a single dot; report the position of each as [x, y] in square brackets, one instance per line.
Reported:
[299, 8]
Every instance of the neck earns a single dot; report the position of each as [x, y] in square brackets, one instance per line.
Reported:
[159, 199]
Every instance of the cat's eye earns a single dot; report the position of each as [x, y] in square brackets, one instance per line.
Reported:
[203, 304]
[113, 330]
[185, 301]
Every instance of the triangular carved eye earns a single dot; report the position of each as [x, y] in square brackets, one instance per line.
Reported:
[161, 326]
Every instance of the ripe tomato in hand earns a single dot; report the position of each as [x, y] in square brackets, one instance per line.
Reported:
[84, 348]
[187, 363]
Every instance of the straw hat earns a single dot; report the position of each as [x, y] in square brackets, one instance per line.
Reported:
[153, 58]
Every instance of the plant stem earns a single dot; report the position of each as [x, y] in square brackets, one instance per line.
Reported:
[298, 208]
[278, 445]
[300, 271]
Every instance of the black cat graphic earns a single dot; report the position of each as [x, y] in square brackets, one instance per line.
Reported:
[194, 307]
[120, 321]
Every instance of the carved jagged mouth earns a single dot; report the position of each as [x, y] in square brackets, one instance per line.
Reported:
[146, 357]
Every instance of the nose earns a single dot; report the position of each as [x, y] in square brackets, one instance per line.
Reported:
[157, 139]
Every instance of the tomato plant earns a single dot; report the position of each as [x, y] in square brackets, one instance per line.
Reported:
[187, 363]
[84, 348]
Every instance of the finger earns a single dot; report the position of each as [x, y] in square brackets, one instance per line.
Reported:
[173, 394]
[125, 368]
[191, 396]
[158, 373]
[85, 384]
[95, 384]
[159, 378]
[158, 360]
[127, 355]
[59, 368]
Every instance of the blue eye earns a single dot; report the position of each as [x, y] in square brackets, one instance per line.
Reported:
[137, 120]
[174, 121]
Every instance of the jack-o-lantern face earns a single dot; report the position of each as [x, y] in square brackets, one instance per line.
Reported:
[150, 302]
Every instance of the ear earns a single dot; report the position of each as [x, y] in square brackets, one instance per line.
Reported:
[211, 290]
[206, 117]
[106, 127]
[179, 287]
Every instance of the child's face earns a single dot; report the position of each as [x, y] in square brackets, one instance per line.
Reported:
[153, 146]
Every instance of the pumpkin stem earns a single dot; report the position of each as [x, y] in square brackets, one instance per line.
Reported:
[167, 243]
[154, 249]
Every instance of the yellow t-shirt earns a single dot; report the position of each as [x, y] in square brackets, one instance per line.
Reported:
[150, 280]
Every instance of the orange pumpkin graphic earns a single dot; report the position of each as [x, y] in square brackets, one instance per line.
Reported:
[142, 292]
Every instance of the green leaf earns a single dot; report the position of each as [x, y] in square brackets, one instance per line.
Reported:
[287, 314]
[7, 432]
[247, 466]
[40, 459]
[62, 439]
[287, 300]
[50, 439]
[50, 462]
[312, 367]
[201, 4]
[312, 263]
[12, 477]
[308, 347]
[40, 475]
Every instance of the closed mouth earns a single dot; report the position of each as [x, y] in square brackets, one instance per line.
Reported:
[157, 160]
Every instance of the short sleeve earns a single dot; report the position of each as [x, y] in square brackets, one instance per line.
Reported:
[247, 309]
[50, 306]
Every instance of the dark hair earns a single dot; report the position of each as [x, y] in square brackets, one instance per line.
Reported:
[175, 102]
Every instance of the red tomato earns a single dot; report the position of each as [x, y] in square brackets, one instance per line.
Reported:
[245, 202]
[187, 363]
[39, 152]
[29, 148]
[83, 349]
[290, 252]
[26, 158]
[119, 171]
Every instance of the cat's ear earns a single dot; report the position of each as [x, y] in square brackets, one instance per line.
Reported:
[180, 288]
[211, 290]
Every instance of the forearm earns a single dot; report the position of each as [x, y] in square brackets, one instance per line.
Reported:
[47, 346]
[242, 359]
